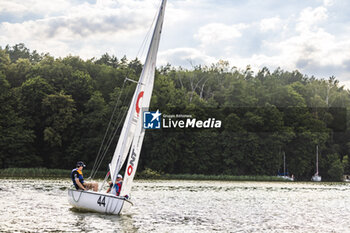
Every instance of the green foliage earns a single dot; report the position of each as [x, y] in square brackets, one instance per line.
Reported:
[148, 173]
[336, 171]
[54, 112]
[15, 139]
[19, 51]
[4, 61]
[34, 172]
[41, 172]
[219, 177]
[32, 92]
[17, 73]
[346, 164]
[44, 173]
[58, 110]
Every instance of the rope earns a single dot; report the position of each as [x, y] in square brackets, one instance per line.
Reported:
[103, 151]
[72, 192]
[110, 140]
[105, 135]
[143, 44]
[104, 181]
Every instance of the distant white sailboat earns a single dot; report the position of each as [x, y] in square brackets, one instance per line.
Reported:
[130, 140]
[316, 177]
[285, 174]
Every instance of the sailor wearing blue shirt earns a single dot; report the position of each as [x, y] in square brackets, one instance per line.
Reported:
[78, 179]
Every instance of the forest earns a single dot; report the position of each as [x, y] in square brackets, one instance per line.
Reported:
[55, 112]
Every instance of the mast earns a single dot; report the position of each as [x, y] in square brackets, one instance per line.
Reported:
[284, 163]
[316, 159]
[143, 101]
[133, 118]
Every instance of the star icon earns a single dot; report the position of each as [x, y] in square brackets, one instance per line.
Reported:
[156, 115]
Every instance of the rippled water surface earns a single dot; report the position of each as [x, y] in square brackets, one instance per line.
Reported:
[35, 205]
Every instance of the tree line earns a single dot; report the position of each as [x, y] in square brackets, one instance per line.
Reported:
[54, 112]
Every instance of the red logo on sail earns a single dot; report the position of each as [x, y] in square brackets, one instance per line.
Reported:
[132, 161]
[130, 168]
[137, 102]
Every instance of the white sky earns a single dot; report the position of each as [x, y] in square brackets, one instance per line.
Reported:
[312, 36]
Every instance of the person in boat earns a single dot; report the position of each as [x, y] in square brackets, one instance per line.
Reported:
[78, 179]
[117, 185]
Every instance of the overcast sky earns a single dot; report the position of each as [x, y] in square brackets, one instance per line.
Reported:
[312, 36]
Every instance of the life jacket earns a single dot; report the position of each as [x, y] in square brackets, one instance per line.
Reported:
[76, 173]
[117, 188]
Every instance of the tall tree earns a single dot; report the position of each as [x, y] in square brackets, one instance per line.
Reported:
[16, 140]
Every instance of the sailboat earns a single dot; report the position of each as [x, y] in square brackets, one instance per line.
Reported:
[285, 174]
[130, 139]
[316, 177]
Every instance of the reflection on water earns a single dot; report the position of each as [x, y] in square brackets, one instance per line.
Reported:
[35, 205]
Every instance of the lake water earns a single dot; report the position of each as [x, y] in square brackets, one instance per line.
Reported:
[35, 205]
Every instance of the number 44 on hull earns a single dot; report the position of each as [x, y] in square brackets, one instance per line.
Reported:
[98, 202]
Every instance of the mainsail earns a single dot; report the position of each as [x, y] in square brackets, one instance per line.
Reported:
[133, 133]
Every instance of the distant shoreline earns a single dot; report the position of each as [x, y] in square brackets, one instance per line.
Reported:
[146, 174]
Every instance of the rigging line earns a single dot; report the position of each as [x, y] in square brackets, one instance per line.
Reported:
[104, 181]
[131, 80]
[143, 44]
[115, 129]
[109, 124]
[101, 156]
[107, 147]
[108, 127]
[111, 137]
[108, 131]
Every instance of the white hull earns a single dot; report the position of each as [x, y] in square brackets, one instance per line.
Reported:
[286, 178]
[316, 178]
[98, 202]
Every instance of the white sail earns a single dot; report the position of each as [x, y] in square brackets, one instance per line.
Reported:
[140, 100]
[145, 89]
[124, 141]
